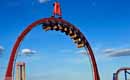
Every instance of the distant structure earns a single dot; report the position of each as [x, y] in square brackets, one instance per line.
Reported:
[116, 75]
[20, 71]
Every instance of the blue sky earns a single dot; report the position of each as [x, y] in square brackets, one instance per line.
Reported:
[106, 24]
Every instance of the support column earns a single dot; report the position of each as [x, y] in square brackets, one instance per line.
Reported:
[20, 71]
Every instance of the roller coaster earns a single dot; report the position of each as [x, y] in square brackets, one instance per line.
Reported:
[57, 23]
[125, 70]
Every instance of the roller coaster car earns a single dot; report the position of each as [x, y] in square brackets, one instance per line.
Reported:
[68, 30]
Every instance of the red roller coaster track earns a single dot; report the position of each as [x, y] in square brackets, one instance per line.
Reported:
[118, 71]
[8, 75]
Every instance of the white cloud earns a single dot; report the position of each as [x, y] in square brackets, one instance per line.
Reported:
[77, 60]
[28, 51]
[43, 1]
[117, 52]
[108, 50]
[82, 52]
[1, 49]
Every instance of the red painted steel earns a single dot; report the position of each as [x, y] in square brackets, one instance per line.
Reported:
[119, 70]
[8, 75]
[96, 75]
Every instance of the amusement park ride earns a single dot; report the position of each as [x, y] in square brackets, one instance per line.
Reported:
[57, 23]
[116, 75]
